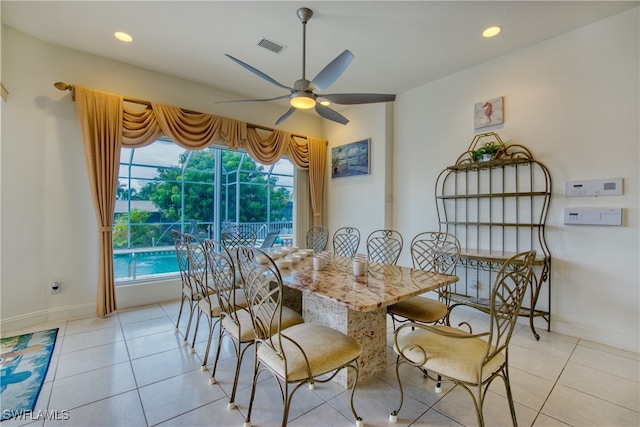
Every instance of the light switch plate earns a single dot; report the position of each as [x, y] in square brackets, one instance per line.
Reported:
[593, 216]
[594, 187]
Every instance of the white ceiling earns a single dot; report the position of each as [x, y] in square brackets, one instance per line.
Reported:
[398, 45]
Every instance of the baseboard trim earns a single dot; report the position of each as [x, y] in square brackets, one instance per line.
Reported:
[127, 296]
[79, 311]
[595, 335]
[580, 332]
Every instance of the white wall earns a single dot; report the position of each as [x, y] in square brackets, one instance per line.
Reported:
[361, 201]
[48, 222]
[573, 101]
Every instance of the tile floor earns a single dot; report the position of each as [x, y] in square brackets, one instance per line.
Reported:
[131, 369]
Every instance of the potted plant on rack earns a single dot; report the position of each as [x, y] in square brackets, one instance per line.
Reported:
[487, 151]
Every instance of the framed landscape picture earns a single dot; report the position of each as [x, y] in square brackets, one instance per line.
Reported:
[350, 159]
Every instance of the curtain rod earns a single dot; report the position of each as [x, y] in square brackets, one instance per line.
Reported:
[65, 86]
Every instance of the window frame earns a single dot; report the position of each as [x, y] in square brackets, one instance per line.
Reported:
[274, 177]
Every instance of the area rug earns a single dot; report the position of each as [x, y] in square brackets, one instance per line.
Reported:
[24, 361]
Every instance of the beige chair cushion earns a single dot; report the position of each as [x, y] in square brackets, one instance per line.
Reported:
[241, 301]
[194, 295]
[238, 278]
[246, 333]
[419, 309]
[451, 357]
[214, 310]
[325, 348]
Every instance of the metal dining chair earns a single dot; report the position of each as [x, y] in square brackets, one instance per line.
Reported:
[471, 361]
[190, 293]
[317, 238]
[306, 353]
[206, 304]
[207, 284]
[346, 241]
[384, 246]
[437, 252]
[234, 236]
[235, 320]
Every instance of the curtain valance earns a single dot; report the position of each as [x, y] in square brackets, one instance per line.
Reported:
[193, 131]
[107, 125]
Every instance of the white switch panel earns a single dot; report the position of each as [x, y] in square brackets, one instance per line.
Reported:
[594, 187]
[593, 216]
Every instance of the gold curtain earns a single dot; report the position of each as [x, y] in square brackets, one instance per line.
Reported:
[317, 160]
[112, 125]
[101, 127]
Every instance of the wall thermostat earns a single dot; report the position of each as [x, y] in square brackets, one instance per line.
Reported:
[594, 187]
[593, 216]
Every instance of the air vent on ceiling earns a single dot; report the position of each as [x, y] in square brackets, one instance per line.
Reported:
[271, 45]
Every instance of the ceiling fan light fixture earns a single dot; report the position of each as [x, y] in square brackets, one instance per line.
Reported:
[302, 100]
[302, 95]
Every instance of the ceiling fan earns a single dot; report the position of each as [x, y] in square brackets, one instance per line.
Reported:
[302, 95]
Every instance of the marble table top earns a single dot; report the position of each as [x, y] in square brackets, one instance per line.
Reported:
[380, 286]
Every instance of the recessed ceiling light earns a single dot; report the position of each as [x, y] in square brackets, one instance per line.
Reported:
[491, 31]
[324, 102]
[123, 37]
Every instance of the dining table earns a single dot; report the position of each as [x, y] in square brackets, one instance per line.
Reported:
[356, 304]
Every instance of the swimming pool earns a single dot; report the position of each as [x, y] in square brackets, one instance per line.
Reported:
[144, 264]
